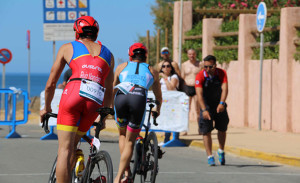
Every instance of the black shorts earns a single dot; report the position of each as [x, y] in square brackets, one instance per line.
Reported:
[130, 109]
[189, 90]
[221, 121]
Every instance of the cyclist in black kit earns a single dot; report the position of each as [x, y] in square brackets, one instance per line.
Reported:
[131, 83]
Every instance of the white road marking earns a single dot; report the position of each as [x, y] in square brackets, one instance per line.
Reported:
[252, 173]
[24, 174]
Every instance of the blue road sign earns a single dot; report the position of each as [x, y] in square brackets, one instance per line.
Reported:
[5, 56]
[59, 17]
[261, 16]
[65, 11]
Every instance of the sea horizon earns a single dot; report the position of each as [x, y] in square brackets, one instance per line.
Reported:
[19, 81]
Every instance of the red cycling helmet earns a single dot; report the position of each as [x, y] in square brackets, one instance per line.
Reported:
[84, 21]
[136, 46]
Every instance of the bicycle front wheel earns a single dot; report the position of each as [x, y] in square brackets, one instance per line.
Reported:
[100, 168]
[52, 178]
[150, 159]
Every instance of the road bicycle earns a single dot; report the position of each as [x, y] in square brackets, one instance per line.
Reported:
[146, 151]
[99, 167]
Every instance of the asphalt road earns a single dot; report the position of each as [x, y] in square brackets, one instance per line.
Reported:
[29, 160]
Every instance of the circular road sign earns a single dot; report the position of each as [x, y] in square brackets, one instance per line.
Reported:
[5, 56]
[261, 16]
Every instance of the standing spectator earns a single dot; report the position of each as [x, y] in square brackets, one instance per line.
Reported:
[212, 89]
[189, 70]
[165, 55]
[168, 81]
[67, 76]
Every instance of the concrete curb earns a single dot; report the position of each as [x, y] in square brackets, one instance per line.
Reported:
[278, 158]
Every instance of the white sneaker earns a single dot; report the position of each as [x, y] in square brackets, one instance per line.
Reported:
[161, 144]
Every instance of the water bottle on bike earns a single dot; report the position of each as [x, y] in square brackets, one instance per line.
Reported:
[79, 167]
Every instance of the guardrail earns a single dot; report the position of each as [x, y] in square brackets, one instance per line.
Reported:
[10, 105]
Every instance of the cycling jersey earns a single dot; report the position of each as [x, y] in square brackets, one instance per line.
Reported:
[130, 105]
[137, 73]
[76, 112]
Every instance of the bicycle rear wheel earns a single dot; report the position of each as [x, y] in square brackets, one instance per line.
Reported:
[52, 178]
[150, 159]
[100, 169]
[135, 169]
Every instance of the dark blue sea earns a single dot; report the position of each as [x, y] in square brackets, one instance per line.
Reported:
[37, 82]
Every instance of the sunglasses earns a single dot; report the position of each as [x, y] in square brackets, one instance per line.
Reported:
[167, 66]
[164, 52]
[208, 66]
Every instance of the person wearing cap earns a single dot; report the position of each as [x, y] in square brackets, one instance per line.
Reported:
[165, 55]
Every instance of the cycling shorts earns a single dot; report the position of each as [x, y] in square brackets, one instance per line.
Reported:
[130, 109]
[76, 113]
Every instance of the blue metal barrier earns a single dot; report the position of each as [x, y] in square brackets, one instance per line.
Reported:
[10, 98]
[174, 142]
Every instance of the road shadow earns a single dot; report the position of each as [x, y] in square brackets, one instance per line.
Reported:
[262, 166]
[110, 141]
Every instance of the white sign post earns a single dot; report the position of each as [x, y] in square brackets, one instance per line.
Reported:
[261, 18]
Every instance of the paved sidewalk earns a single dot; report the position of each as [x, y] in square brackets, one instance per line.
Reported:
[272, 146]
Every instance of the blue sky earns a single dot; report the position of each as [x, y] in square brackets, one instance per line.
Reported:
[121, 21]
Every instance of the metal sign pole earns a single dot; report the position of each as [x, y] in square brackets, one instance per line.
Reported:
[261, 75]
[180, 33]
[28, 83]
[53, 51]
[3, 76]
[261, 18]
[3, 85]
[28, 75]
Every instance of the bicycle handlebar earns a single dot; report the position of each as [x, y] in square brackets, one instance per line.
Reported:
[155, 114]
[151, 101]
[46, 119]
[104, 111]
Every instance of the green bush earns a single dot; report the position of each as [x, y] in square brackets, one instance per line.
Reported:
[193, 44]
[230, 54]
[297, 54]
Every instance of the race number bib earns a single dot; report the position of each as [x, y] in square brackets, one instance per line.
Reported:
[92, 90]
[125, 87]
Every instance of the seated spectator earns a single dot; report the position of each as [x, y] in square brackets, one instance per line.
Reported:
[169, 81]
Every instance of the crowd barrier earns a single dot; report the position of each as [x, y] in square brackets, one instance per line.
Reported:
[173, 118]
[54, 107]
[8, 112]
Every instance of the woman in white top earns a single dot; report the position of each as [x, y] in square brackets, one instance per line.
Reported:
[169, 80]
